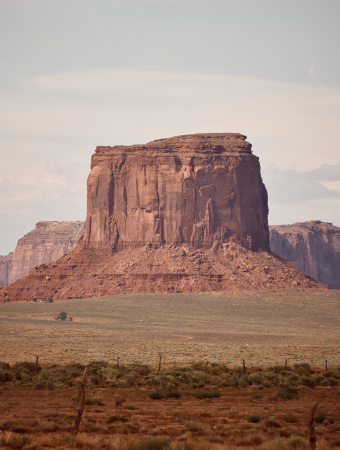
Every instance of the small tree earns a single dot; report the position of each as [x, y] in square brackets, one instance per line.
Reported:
[62, 315]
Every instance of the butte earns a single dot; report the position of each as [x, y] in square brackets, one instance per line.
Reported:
[184, 214]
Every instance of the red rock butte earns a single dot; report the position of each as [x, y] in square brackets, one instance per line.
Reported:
[188, 214]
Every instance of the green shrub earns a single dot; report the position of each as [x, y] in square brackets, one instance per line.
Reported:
[209, 394]
[50, 300]
[117, 418]
[94, 401]
[308, 381]
[154, 444]
[287, 393]
[15, 441]
[35, 299]
[289, 418]
[4, 366]
[128, 380]
[254, 418]
[131, 407]
[319, 418]
[174, 394]
[5, 376]
[62, 315]
[296, 442]
[156, 395]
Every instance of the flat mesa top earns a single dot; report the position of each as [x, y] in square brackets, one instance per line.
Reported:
[197, 143]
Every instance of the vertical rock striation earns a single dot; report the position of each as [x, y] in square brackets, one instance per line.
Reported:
[193, 189]
[5, 266]
[47, 242]
[313, 247]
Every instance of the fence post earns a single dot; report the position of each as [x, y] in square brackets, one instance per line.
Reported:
[81, 394]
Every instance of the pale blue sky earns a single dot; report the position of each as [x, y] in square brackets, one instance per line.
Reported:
[81, 73]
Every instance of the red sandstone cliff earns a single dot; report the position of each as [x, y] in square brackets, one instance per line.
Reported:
[313, 247]
[5, 266]
[47, 242]
[182, 214]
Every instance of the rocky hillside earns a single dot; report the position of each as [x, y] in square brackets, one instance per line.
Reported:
[47, 242]
[185, 214]
[5, 266]
[313, 247]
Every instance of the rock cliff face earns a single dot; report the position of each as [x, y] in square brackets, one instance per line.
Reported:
[193, 189]
[47, 242]
[313, 247]
[5, 266]
[184, 214]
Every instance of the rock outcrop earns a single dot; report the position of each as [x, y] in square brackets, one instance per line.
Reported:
[184, 214]
[313, 247]
[5, 266]
[193, 189]
[47, 242]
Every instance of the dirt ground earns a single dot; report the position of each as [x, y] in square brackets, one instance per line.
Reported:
[44, 417]
[264, 328]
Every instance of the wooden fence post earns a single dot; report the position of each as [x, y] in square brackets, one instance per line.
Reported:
[326, 365]
[312, 437]
[81, 394]
[244, 366]
[37, 365]
[286, 364]
[160, 361]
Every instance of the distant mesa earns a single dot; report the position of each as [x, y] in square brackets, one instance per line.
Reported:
[47, 242]
[5, 268]
[184, 214]
[313, 247]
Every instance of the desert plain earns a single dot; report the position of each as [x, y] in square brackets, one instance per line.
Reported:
[200, 397]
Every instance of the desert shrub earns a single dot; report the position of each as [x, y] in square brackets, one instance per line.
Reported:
[15, 441]
[131, 407]
[43, 381]
[4, 366]
[199, 379]
[319, 418]
[50, 300]
[241, 380]
[156, 395]
[209, 394]
[94, 401]
[289, 418]
[25, 366]
[305, 366]
[5, 376]
[62, 315]
[154, 444]
[127, 380]
[35, 299]
[141, 369]
[117, 418]
[257, 397]
[329, 382]
[174, 394]
[308, 381]
[272, 423]
[296, 442]
[118, 400]
[254, 418]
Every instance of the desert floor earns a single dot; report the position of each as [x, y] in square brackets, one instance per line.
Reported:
[264, 328]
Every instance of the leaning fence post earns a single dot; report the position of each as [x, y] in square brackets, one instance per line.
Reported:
[312, 437]
[81, 394]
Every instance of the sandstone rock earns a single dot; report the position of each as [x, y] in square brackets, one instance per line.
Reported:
[186, 214]
[5, 266]
[190, 189]
[47, 242]
[313, 247]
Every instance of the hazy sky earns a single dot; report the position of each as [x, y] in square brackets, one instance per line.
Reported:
[81, 73]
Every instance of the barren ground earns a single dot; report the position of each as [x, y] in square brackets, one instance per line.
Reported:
[264, 328]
